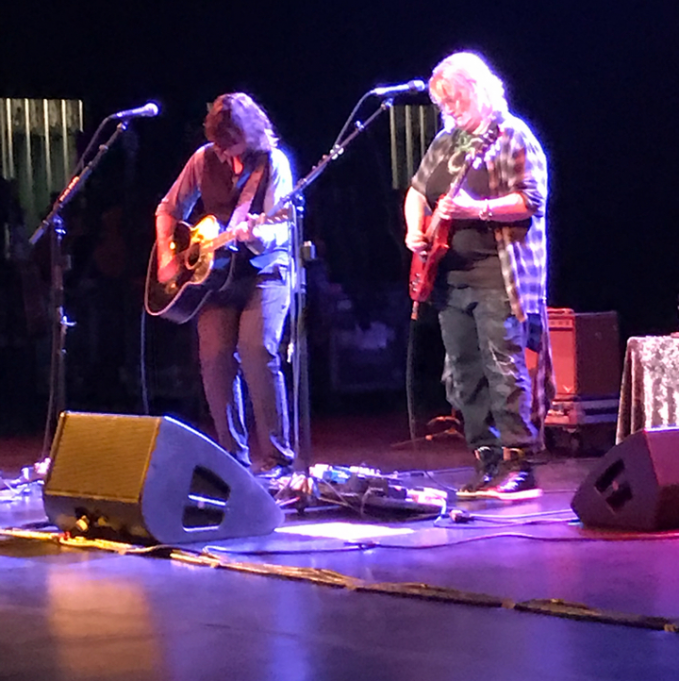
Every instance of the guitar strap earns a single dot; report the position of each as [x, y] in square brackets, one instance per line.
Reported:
[251, 193]
[247, 195]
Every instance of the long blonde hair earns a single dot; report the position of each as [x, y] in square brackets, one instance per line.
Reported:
[468, 70]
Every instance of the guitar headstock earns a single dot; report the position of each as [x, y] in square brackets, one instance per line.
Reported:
[489, 137]
[483, 143]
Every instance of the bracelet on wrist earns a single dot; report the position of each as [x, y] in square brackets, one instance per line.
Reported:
[486, 213]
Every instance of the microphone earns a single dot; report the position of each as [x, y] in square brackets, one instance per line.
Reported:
[389, 90]
[149, 110]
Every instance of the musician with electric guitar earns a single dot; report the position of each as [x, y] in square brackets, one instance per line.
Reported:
[231, 271]
[476, 224]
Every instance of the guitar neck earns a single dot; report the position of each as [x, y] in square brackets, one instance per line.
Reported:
[223, 238]
[453, 189]
[220, 240]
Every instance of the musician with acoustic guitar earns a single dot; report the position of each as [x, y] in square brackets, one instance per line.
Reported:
[476, 223]
[232, 271]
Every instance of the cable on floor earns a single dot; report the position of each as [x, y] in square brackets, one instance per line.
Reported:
[324, 577]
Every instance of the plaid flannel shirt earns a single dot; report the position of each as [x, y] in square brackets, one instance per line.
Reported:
[518, 164]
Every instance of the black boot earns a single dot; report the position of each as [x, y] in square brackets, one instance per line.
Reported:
[515, 480]
[487, 461]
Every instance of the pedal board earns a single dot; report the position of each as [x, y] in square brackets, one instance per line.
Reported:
[364, 487]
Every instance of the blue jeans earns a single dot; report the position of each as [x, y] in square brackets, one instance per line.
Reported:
[485, 372]
[239, 333]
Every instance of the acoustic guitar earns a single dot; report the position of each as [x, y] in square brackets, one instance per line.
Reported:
[204, 254]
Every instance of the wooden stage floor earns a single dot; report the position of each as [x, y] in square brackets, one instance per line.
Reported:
[522, 591]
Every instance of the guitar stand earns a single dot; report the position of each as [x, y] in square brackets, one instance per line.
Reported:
[441, 427]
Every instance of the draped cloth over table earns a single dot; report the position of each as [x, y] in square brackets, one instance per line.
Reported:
[649, 395]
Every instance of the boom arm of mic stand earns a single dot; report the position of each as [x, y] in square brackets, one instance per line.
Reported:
[350, 119]
[334, 153]
[74, 185]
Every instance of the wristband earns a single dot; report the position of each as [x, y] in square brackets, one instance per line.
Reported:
[486, 213]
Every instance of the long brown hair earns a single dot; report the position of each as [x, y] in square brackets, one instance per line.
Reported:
[237, 117]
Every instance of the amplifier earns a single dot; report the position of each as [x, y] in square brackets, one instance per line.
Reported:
[585, 353]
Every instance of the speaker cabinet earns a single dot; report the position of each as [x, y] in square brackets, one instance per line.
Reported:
[635, 485]
[150, 479]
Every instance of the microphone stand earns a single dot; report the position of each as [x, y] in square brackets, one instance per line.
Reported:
[54, 224]
[303, 253]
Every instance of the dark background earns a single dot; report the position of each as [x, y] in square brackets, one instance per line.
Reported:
[597, 82]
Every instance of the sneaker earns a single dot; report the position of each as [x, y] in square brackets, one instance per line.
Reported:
[513, 483]
[487, 461]
[274, 469]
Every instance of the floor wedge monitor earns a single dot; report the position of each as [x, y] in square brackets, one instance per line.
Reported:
[150, 479]
[635, 486]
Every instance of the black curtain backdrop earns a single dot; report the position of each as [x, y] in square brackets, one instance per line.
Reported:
[596, 81]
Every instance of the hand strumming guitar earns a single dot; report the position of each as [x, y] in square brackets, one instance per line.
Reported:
[415, 210]
[462, 207]
[416, 241]
[168, 267]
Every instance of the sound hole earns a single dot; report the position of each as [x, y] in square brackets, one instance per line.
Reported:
[207, 501]
[192, 256]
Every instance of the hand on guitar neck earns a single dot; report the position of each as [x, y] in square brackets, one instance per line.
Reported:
[248, 231]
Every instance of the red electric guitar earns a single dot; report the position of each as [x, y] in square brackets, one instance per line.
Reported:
[438, 230]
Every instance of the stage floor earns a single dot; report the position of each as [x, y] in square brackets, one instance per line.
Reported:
[522, 591]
